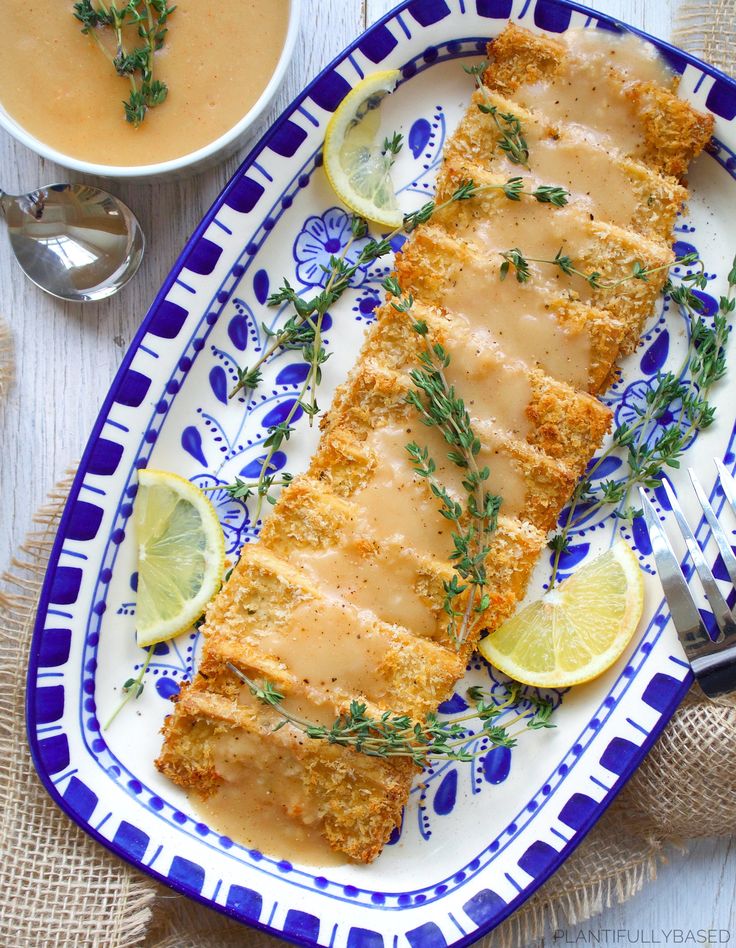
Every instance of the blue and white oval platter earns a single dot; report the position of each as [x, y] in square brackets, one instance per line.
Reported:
[477, 839]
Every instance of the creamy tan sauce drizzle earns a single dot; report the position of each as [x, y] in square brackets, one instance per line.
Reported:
[626, 52]
[492, 386]
[217, 60]
[396, 503]
[327, 643]
[520, 319]
[378, 577]
[506, 479]
[597, 184]
[262, 802]
[586, 92]
[538, 230]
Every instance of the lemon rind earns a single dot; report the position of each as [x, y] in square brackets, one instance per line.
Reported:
[602, 662]
[215, 552]
[384, 80]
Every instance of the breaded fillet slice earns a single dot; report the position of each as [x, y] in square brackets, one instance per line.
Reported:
[533, 485]
[329, 539]
[324, 536]
[672, 133]
[611, 188]
[361, 458]
[436, 268]
[560, 421]
[492, 223]
[271, 617]
[323, 777]
[345, 466]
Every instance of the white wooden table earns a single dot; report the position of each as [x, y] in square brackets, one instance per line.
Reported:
[67, 355]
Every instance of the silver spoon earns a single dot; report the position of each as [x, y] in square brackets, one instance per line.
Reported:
[74, 241]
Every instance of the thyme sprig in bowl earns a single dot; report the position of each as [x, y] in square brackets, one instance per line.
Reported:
[129, 64]
[111, 26]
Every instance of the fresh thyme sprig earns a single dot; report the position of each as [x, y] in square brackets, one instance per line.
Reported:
[512, 141]
[399, 735]
[392, 146]
[132, 688]
[513, 189]
[440, 407]
[242, 490]
[520, 263]
[306, 334]
[302, 330]
[683, 393]
[148, 18]
[298, 332]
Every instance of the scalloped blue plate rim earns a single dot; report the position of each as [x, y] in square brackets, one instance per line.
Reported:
[675, 53]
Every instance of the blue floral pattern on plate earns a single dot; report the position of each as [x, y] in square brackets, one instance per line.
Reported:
[321, 238]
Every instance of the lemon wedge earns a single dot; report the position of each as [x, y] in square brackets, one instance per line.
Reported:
[354, 161]
[181, 555]
[576, 631]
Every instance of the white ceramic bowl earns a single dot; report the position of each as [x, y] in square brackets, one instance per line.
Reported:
[198, 160]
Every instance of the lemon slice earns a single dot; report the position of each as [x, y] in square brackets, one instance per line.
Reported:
[181, 555]
[356, 167]
[576, 631]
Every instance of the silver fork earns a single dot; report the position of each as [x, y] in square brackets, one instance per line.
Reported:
[713, 661]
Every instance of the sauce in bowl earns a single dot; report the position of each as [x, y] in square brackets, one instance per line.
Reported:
[217, 60]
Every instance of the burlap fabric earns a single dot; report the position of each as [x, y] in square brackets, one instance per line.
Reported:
[708, 30]
[61, 890]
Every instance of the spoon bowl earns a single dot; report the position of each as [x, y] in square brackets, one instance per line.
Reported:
[74, 241]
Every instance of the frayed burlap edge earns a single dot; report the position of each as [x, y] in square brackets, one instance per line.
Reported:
[60, 888]
[708, 30]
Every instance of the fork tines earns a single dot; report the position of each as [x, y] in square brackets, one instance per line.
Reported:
[713, 661]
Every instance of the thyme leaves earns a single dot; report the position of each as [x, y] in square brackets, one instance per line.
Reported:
[390, 735]
[669, 413]
[517, 261]
[439, 406]
[132, 688]
[511, 139]
[145, 19]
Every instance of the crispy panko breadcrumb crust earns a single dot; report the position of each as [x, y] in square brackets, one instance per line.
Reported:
[253, 622]
[674, 133]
